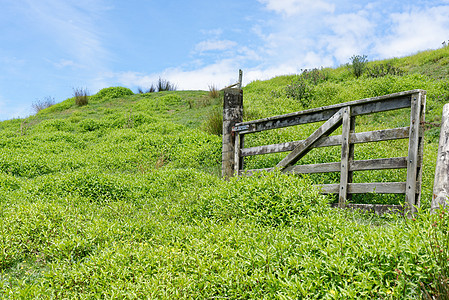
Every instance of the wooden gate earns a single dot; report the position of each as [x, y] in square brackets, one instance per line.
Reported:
[344, 115]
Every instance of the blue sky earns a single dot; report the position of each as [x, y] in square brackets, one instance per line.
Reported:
[49, 47]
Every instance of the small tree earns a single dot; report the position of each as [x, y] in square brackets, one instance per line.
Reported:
[358, 64]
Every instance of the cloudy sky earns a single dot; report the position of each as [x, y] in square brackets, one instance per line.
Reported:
[50, 47]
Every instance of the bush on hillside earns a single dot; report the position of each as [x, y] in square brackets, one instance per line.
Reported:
[43, 104]
[214, 123]
[358, 64]
[165, 85]
[81, 96]
[111, 93]
[302, 88]
[381, 70]
[214, 92]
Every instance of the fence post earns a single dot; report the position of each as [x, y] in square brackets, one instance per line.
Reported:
[441, 183]
[232, 114]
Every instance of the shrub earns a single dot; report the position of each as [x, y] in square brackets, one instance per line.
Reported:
[438, 250]
[165, 85]
[42, 104]
[111, 93]
[358, 64]
[214, 123]
[300, 90]
[88, 125]
[80, 96]
[303, 87]
[213, 91]
[382, 70]
[315, 76]
[152, 89]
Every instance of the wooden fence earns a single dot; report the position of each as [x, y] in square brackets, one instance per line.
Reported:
[344, 115]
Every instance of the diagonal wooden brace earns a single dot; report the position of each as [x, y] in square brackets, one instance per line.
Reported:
[306, 145]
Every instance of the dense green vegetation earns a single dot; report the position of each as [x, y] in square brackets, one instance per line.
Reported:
[122, 198]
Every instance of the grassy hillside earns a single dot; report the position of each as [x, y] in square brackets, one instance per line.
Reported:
[122, 198]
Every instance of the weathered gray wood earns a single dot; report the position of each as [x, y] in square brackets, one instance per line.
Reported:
[351, 156]
[420, 148]
[354, 138]
[379, 164]
[314, 168]
[362, 188]
[242, 145]
[300, 150]
[240, 79]
[357, 165]
[359, 107]
[344, 165]
[441, 184]
[232, 114]
[412, 165]
[237, 160]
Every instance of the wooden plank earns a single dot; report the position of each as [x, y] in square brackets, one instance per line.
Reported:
[344, 165]
[379, 164]
[237, 160]
[412, 166]
[359, 107]
[242, 145]
[351, 155]
[357, 165]
[362, 188]
[420, 148]
[314, 168]
[300, 150]
[329, 141]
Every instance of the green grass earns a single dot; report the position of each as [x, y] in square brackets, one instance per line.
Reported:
[122, 198]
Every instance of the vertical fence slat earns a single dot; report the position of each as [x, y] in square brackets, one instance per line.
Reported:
[351, 155]
[420, 148]
[412, 159]
[237, 160]
[344, 166]
[441, 184]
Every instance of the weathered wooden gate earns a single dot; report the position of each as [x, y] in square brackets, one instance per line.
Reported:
[344, 115]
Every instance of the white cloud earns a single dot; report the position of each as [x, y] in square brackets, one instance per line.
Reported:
[352, 34]
[418, 29]
[215, 45]
[293, 7]
[214, 32]
[64, 63]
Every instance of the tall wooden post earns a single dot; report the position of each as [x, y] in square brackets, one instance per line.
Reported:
[413, 153]
[441, 184]
[232, 114]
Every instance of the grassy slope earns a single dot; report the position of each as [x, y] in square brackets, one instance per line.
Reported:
[121, 198]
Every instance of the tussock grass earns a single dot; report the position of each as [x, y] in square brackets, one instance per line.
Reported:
[39, 105]
[81, 96]
[214, 123]
[214, 92]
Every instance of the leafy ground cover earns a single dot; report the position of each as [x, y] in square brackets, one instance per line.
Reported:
[122, 198]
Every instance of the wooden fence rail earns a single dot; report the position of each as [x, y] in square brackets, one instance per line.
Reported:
[344, 115]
